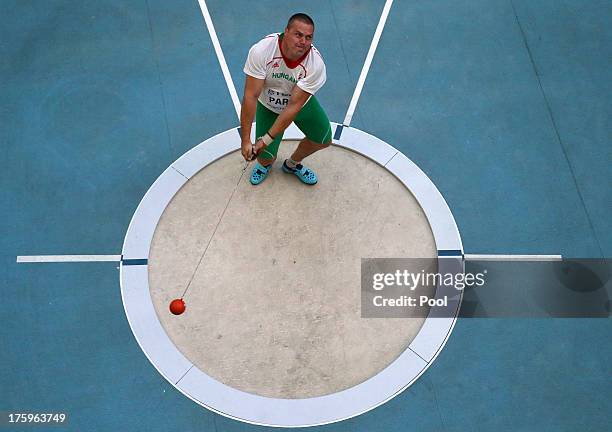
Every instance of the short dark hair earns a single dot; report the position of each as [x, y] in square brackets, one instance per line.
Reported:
[300, 17]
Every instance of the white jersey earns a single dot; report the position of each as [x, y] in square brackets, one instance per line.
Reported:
[265, 61]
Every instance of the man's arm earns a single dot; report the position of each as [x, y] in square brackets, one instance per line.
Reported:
[252, 90]
[282, 122]
[296, 102]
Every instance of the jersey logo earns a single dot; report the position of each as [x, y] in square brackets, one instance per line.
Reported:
[275, 65]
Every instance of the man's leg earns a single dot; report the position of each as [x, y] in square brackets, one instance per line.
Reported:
[264, 119]
[313, 121]
[306, 148]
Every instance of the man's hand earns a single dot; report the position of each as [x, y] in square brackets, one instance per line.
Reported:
[250, 151]
[259, 147]
[247, 150]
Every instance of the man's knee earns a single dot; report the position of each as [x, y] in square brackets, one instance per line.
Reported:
[323, 146]
[317, 145]
[266, 161]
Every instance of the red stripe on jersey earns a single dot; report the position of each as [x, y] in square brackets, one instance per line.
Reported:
[305, 72]
[317, 51]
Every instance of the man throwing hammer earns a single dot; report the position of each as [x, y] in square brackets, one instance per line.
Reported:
[284, 71]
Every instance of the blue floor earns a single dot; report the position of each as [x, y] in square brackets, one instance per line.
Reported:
[505, 104]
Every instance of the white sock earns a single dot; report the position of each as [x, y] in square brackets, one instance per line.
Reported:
[291, 163]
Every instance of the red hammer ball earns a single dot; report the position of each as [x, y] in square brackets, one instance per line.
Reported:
[177, 306]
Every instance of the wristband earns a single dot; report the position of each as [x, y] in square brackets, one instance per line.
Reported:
[267, 138]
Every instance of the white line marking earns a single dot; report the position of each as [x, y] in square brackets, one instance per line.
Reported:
[117, 258]
[368, 62]
[476, 257]
[219, 52]
[68, 258]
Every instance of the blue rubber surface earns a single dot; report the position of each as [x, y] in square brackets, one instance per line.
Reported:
[504, 104]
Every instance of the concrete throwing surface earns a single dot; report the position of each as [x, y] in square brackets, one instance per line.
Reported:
[274, 307]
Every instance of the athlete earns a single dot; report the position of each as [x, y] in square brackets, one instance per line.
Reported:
[283, 72]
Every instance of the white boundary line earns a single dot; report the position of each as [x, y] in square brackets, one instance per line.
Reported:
[116, 258]
[478, 257]
[368, 62]
[67, 258]
[219, 52]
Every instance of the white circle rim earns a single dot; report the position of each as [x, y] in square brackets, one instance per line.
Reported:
[260, 410]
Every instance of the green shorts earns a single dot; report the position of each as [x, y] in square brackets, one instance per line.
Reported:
[311, 120]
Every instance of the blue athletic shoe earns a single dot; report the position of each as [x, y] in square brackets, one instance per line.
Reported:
[303, 173]
[259, 173]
